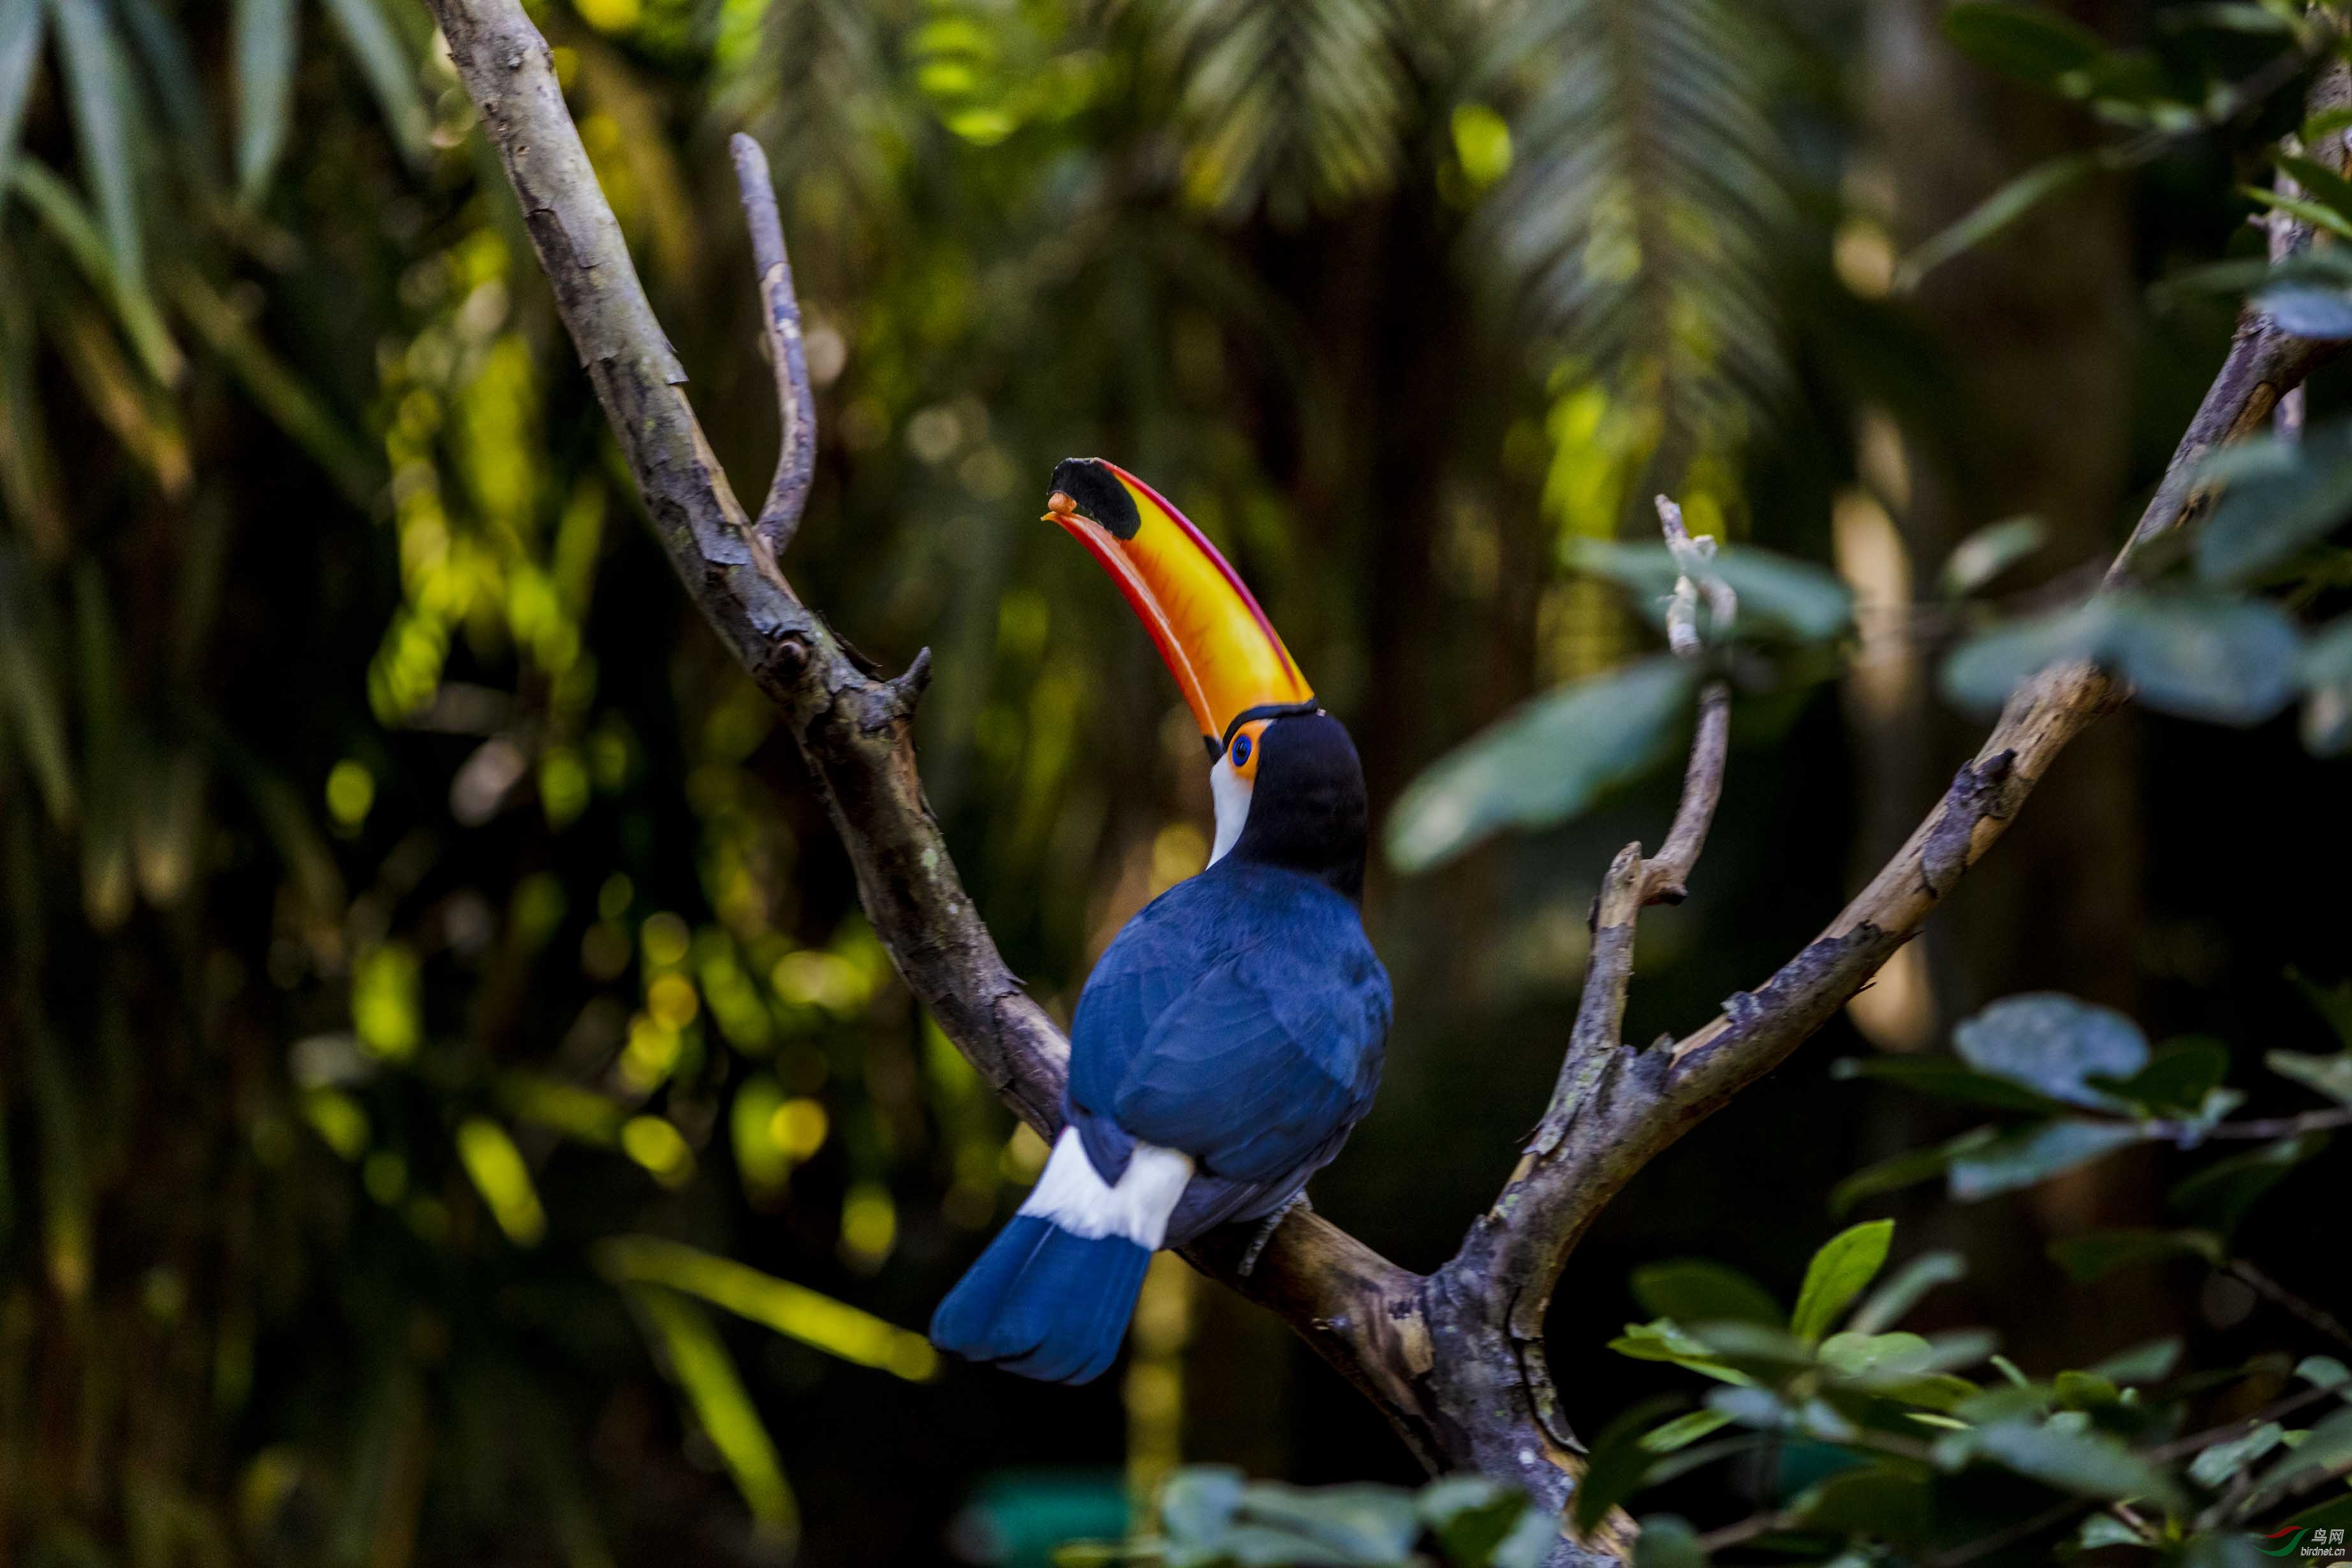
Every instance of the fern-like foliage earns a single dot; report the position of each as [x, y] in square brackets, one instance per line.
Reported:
[1303, 105]
[816, 81]
[1636, 231]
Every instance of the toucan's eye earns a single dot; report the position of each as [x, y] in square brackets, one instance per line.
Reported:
[1241, 750]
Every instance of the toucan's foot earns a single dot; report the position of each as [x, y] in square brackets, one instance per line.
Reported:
[1267, 1227]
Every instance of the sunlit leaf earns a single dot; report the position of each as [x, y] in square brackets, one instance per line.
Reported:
[794, 1311]
[698, 1362]
[1841, 1271]
[1544, 763]
[268, 39]
[500, 1175]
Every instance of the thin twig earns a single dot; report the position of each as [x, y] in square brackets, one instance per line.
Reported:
[2023, 1530]
[780, 319]
[1747, 1529]
[2313, 1316]
[1665, 876]
[2190, 1133]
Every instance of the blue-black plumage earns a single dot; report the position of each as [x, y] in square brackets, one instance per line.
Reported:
[1225, 1045]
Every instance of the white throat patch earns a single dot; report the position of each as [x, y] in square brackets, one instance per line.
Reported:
[1232, 794]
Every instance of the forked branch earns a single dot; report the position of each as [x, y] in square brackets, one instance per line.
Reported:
[780, 324]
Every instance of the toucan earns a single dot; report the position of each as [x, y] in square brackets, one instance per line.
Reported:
[1230, 1037]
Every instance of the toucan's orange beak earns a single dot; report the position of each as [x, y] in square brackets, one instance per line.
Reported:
[1226, 657]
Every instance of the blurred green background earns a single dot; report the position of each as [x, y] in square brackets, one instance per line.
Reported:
[422, 962]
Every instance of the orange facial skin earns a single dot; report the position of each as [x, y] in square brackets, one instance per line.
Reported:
[1228, 658]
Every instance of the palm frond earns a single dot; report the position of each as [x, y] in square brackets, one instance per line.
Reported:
[1636, 228]
[1300, 104]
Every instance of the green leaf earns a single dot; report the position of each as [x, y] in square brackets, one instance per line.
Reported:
[1985, 554]
[1947, 1080]
[2318, 214]
[2332, 1003]
[20, 52]
[1617, 1464]
[2215, 1466]
[2318, 180]
[1664, 1340]
[98, 84]
[2327, 1447]
[1905, 1169]
[391, 72]
[2087, 1463]
[1793, 598]
[1994, 213]
[2220, 1194]
[2106, 1529]
[2278, 497]
[1692, 1291]
[2053, 1044]
[1351, 1524]
[69, 223]
[268, 39]
[1883, 1501]
[2329, 1075]
[2099, 1253]
[2323, 1371]
[2150, 1363]
[28, 691]
[1479, 1524]
[697, 1360]
[1544, 763]
[1838, 1274]
[2336, 1513]
[1198, 1504]
[1667, 1541]
[1889, 1303]
[2027, 42]
[1685, 1430]
[2308, 311]
[2176, 1081]
[2032, 1154]
[2221, 660]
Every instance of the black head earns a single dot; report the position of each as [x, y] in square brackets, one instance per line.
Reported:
[1307, 805]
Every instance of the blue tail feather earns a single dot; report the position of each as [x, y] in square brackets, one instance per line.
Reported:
[1043, 1303]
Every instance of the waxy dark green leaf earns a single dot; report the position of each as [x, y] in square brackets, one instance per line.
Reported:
[1544, 763]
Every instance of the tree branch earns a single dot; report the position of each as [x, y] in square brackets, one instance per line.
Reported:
[779, 320]
[1357, 1309]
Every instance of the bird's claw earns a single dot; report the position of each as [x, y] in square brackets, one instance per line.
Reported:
[1267, 1227]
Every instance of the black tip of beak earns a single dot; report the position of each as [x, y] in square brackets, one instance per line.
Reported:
[1089, 482]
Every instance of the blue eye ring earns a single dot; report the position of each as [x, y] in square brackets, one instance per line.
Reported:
[1241, 750]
